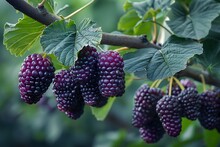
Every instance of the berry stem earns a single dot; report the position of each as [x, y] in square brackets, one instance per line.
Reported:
[44, 55]
[153, 84]
[121, 49]
[203, 82]
[158, 83]
[170, 86]
[179, 83]
[155, 30]
[41, 3]
[165, 28]
[80, 9]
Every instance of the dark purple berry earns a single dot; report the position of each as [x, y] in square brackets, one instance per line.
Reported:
[190, 103]
[145, 105]
[169, 109]
[152, 132]
[68, 95]
[35, 76]
[209, 110]
[77, 111]
[91, 94]
[111, 73]
[86, 64]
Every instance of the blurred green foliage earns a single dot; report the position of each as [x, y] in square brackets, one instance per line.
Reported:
[23, 125]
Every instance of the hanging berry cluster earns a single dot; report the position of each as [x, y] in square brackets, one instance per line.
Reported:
[156, 113]
[94, 78]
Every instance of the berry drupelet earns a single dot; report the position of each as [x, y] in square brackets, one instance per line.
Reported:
[86, 64]
[145, 105]
[190, 103]
[111, 74]
[35, 76]
[209, 109]
[91, 94]
[68, 95]
[169, 109]
[153, 132]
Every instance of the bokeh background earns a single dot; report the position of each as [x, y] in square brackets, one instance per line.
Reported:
[23, 125]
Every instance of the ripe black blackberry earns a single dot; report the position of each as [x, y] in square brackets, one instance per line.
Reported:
[86, 64]
[209, 109]
[111, 73]
[145, 105]
[67, 92]
[153, 132]
[91, 94]
[77, 111]
[35, 76]
[176, 90]
[169, 109]
[190, 103]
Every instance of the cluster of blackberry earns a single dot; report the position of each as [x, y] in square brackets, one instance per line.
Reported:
[155, 113]
[94, 78]
[144, 114]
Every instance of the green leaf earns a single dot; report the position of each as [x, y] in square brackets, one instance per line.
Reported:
[88, 33]
[65, 41]
[101, 113]
[128, 21]
[143, 7]
[127, 5]
[214, 32]
[159, 64]
[20, 37]
[211, 55]
[139, 60]
[172, 58]
[211, 138]
[56, 63]
[193, 21]
[59, 39]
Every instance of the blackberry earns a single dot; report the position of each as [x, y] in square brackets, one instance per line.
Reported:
[190, 103]
[168, 109]
[67, 92]
[86, 65]
[35, 76]
[176, 90]
[145, 105]
[91, 94]
[111, 73]
[77, 111]
[153, 132]
[209, 110]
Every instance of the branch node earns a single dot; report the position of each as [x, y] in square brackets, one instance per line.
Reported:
[144, 38]
[42, 10]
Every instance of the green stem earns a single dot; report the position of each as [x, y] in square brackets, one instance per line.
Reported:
[153, 84]
[179, 83]
[170, 86]
[158, 83]
[203, 82]
[80, 9]
[41, 3]
[162, 27]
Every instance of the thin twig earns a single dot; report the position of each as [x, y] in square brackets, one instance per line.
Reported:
[41, 3]
[162, 27]
[80, 9]
[155, 30]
